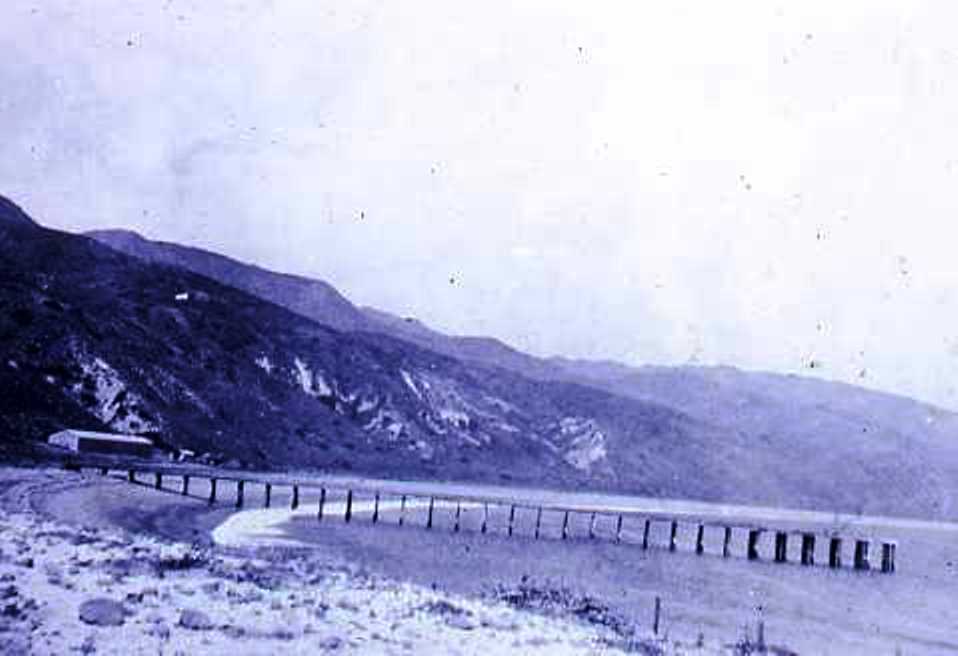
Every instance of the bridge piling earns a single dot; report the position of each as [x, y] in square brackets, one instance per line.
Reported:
[808, 549]
[888, 557]
[835, 553]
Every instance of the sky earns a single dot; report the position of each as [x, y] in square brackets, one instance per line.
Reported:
[769, 185]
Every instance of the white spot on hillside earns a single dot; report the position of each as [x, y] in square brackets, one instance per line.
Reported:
[182, 297]
[587, 445]
[312, 384]
[264, 363]
[455, 417]
[113, 403]
[322, 389]
[303, 376]
[407, 378]
[586, 450]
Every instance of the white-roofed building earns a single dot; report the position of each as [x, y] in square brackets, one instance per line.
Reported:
[80, 441]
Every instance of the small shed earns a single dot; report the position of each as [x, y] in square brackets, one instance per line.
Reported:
[80, 441]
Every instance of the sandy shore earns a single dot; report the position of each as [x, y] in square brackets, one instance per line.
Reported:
[268, 527]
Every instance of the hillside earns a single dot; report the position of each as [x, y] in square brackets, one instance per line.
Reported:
[90, 337]
[815, 440]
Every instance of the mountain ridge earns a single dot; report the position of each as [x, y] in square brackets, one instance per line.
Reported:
[87, 331]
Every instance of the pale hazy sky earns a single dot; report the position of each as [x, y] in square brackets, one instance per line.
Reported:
[762, 184]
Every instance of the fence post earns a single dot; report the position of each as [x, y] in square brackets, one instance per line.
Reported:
[349, 506]
[657, 613]
[485, 517]
[753, 535]
[186, 484]
[618, 529]
[239, 493]
[269, 495]
[131, 476]
[402, 510]
[861, 554]
[512, 517]
[376, 509]
[673, 535]
[887, 557]
[727, 542]
[458, 514]
[322, 504]
[645, 534]
[212, 491]
[432, 503]
[781, 547]
[808, 549]
[565, 525]
[158, 480]
[294, 504]
[835, 553]
[592, 527]
[538, 521]
[700, 540]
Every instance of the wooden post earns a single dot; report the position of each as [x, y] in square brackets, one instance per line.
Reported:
[322, 504]
[186, 485]
[239, 493]
[618, 530]
[781, 547]
[432, 503]
[808, 549]
[835, 553]
[158, 480]
[402, 510]
[485, 518]
[538, 521]
[656, 616]
[700, 540]
[212, 491]
[269, 495]
[349, 506]
[645, 533]
[376, 509]
[887, 557]
[673, 535]
[131, 476]
[727, 542]
[458, 515]
[592, 527]
[512, 518]
[565, 525]
[753, 535]
[861, 554]
[294, 504]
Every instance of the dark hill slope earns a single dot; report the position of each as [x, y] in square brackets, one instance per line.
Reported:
[90, 337]
[12, 215]
[311, 298]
